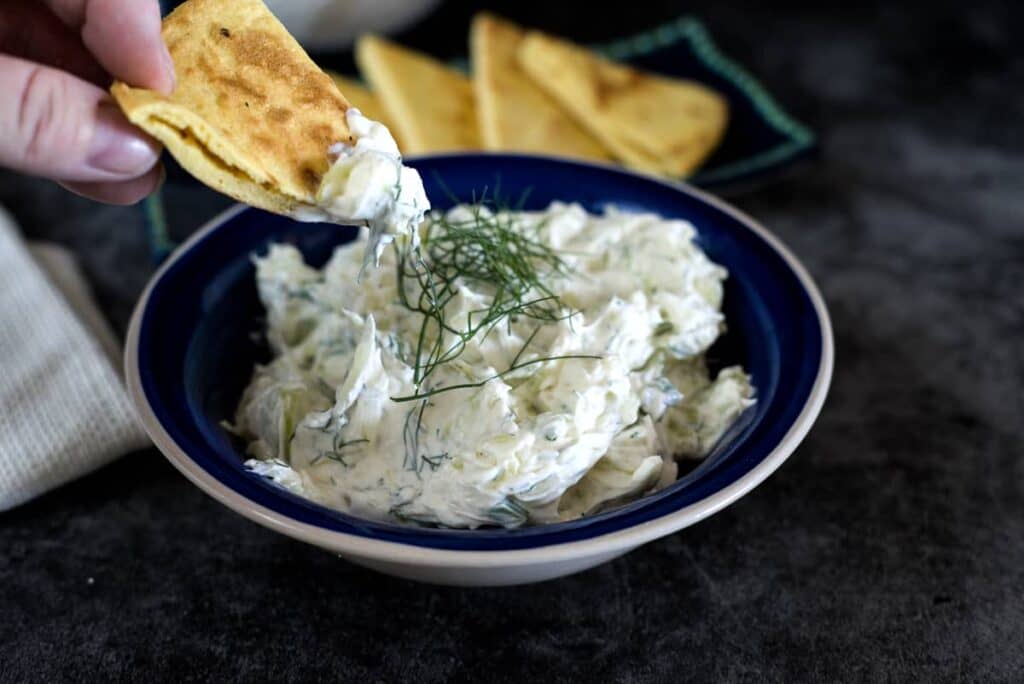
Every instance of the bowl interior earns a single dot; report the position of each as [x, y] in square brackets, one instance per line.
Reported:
[201, 333]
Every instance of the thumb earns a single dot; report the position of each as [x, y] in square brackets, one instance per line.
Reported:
[55, 125]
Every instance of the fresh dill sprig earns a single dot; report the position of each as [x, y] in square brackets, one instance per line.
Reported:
[411, 436]
[495, 253]
[434, 462]
[501, 374]
[335, 454]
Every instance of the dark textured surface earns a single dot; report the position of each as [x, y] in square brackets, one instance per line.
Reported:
[890, 547]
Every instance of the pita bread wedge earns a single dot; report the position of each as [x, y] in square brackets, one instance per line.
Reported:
[430, 104]
[361, 97]
[653, 123]
[515, 113]
[251, 116]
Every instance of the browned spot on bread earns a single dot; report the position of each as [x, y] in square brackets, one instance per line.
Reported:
[242, 86]
[322, 134]
[263, 51]
[279, 114]
[315, 90]
[609, 85]
[310, 178]
[264, 141]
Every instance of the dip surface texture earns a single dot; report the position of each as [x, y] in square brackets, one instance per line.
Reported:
[367, 183]
[514, 368]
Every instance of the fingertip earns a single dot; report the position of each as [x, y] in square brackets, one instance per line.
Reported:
[123, 193]
[170, 79]
[126, 37]
[118, 148]
[164, 80]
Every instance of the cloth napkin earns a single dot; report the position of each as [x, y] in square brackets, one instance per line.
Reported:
[63, 408]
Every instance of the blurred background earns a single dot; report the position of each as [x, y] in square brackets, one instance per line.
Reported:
[890, 547]
[851, 75]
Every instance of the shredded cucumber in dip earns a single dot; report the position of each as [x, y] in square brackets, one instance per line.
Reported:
[514, 368]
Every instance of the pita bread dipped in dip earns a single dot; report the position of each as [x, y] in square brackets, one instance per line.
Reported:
[253, 117]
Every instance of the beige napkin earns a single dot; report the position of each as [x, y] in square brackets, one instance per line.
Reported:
[63, 408]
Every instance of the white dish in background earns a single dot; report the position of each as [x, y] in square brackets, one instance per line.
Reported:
[335, 24]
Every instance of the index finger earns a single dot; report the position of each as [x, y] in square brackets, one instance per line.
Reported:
[124, 36]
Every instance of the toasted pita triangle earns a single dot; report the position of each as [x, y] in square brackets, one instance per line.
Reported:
[515, 113]
[431, 105]
[654, 123]
[251, 116]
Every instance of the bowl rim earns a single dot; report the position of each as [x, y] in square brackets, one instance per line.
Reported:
[398, 552]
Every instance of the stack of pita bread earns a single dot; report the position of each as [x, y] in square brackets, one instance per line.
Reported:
[532, 92]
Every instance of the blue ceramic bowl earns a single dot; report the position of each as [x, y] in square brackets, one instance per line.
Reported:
[191, 349]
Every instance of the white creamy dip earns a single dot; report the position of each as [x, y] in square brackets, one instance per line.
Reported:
[368, 184]
[549, 440]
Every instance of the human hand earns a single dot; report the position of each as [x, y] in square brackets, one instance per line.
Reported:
[57, 58]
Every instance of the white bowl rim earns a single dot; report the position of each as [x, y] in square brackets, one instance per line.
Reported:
[410, 554]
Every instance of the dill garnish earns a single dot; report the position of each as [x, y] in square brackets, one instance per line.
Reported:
[336, 448]
[493, 252]
[434, 462]
[411, 436]
[664, 328]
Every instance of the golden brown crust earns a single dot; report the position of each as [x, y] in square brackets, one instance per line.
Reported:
[651, 122]
[515, 113]
[431, 105]
[251, 114]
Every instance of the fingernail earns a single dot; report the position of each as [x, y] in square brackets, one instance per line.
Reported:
[169, 64]
[119, 148]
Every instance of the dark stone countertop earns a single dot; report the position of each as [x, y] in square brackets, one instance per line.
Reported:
[889, 547]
